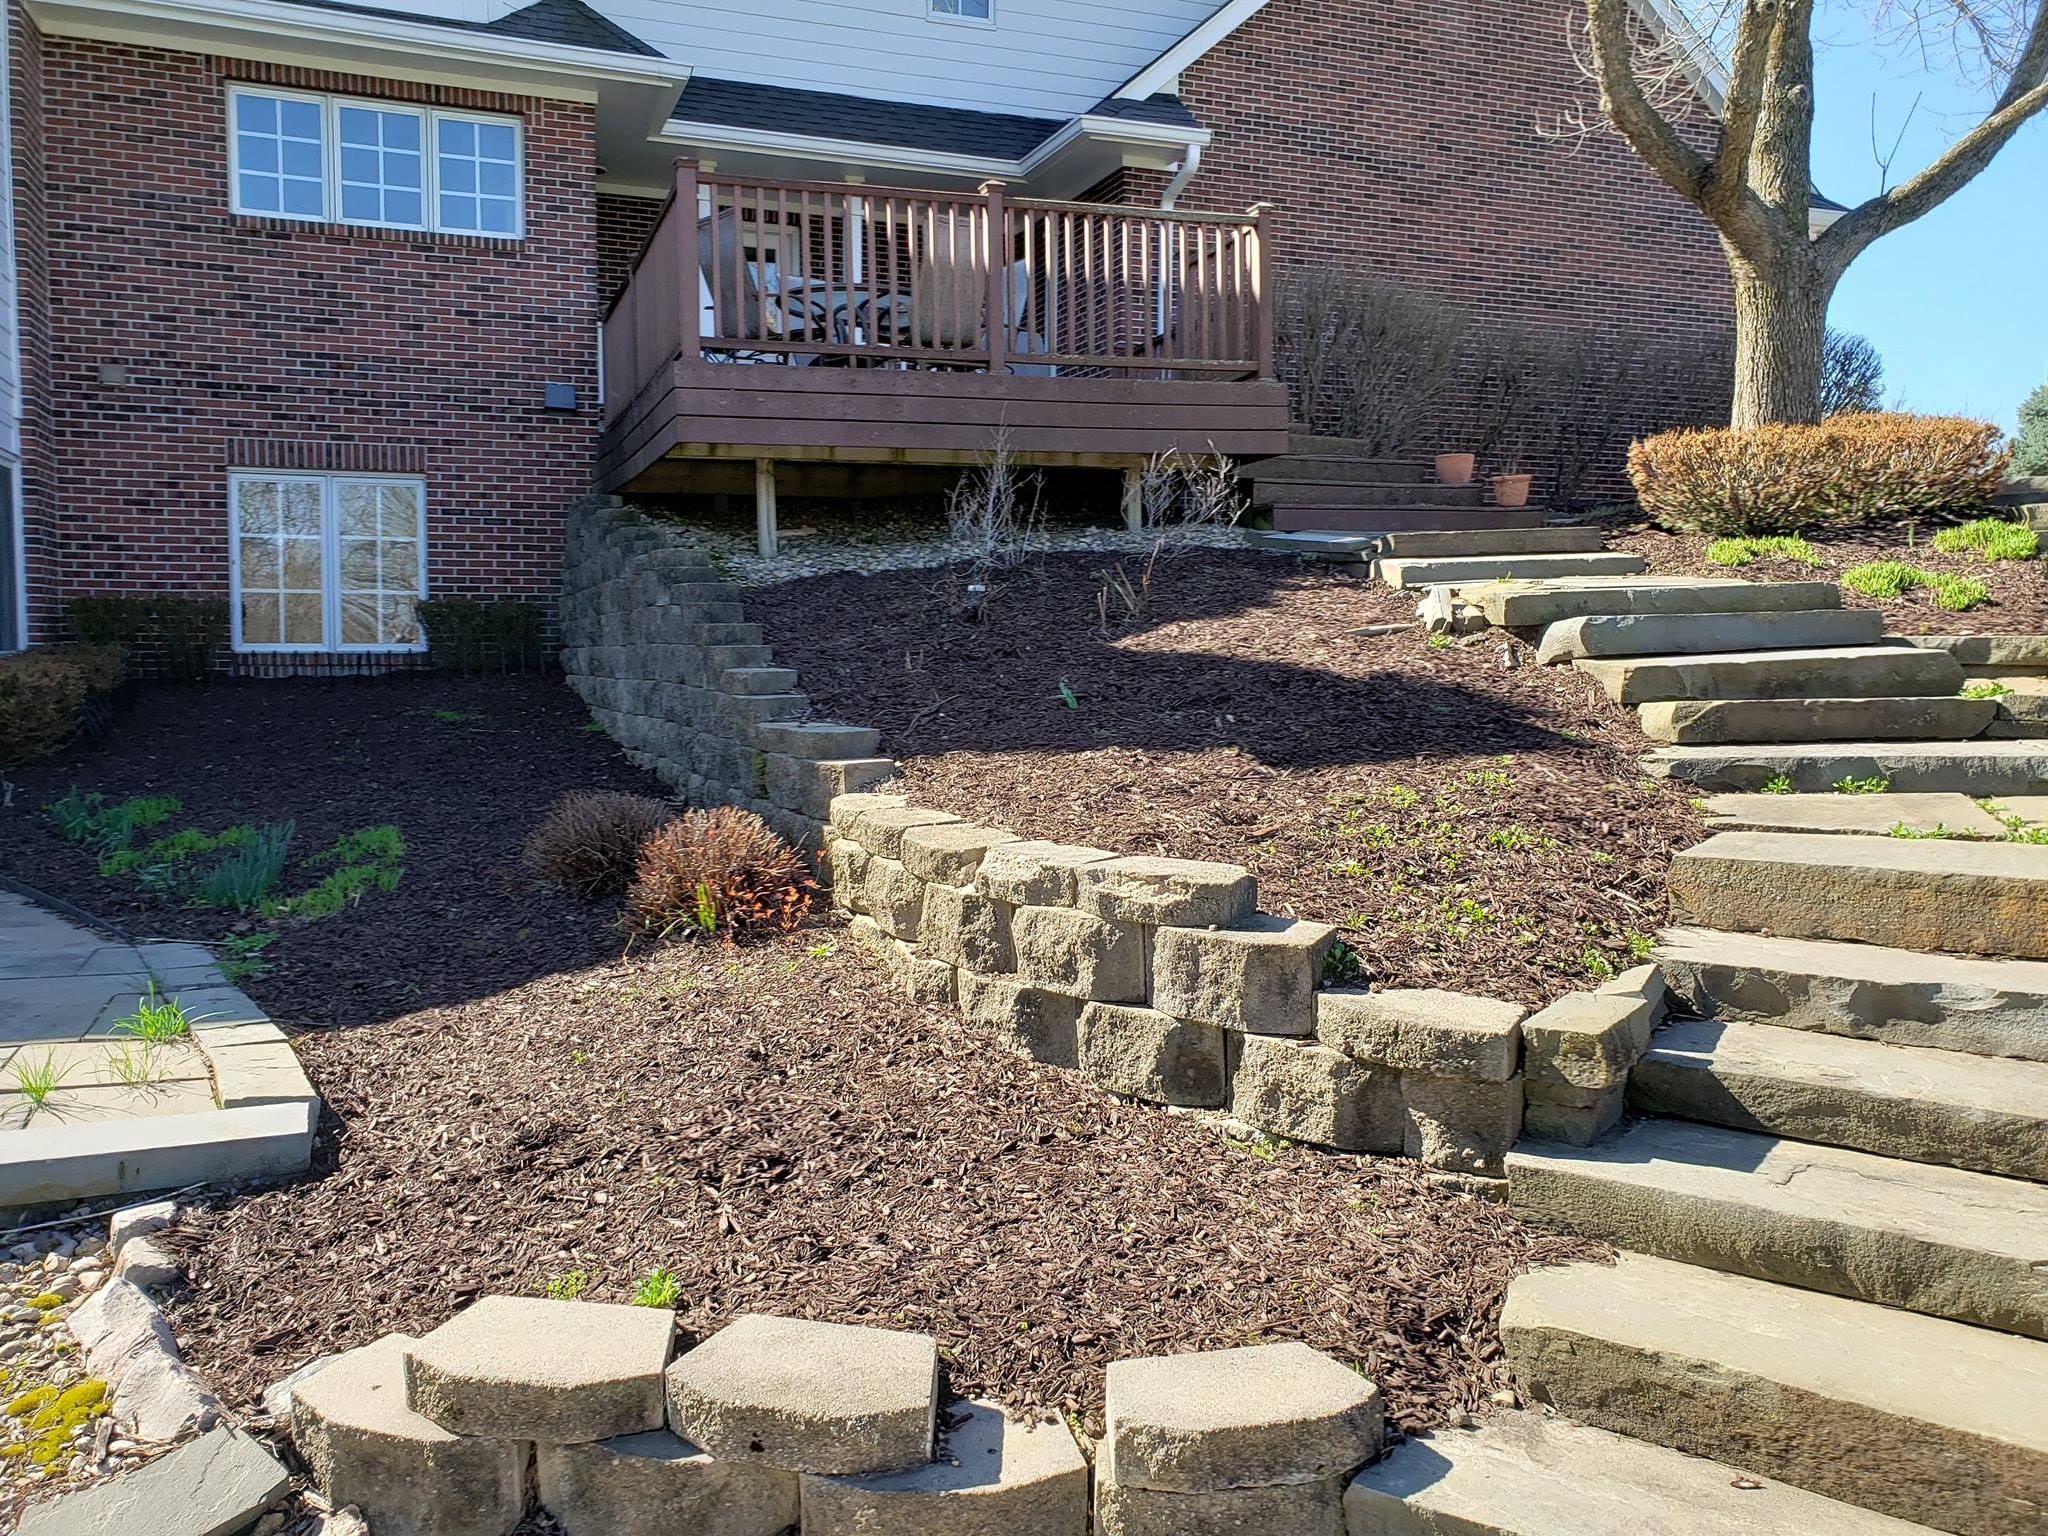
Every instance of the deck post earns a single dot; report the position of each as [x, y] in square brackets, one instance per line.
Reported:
[764, 507]
[1134, 497]
[1262, 279]
[997, 325]
[689, 284]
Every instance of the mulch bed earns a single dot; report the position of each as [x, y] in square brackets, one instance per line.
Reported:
[1470, 825]
[2018, 589]
[511, 1100]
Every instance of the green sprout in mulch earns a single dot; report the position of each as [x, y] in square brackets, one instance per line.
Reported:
[242, 956]
[1895, 578]
[104, 828]
[367, 859]
[1851, 785]
[156, 1018]
[1779, 546]
[658, 1288]
[1992, 538]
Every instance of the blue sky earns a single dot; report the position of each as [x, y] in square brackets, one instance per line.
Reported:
[1958, 302]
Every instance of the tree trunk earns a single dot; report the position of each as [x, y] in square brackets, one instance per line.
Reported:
[1780, 320]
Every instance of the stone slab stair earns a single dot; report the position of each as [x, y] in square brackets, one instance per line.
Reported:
[1833, 1208]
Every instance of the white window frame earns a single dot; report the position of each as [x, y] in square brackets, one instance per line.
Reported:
[954, 18]
[330, 561]
[431, 119]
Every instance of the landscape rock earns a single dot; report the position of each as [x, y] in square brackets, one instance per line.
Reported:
[962, 927]
[1313, 1094]
[525, 1368]
[654, 1484]
[128, 1345]
[139, 1221]
[1041, 1025]
[1288, 1509]
[1587, 1039]
[1446, 1034]
[1181, 893]
[808, 1397]
[1077, 955]
[1152, 1056]
[949, 853]
[1036, 874]
[1259, 976]
[146, 1263]
[213, 1486]
[1460, 1124]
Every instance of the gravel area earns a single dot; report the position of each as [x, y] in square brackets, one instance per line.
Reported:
[512, 1104]
[2018, 589]
[1472, 821]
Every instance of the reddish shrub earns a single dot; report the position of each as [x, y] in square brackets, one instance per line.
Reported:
[591, 842]
[718, 872]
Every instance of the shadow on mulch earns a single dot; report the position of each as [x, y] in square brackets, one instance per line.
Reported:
[463, 767]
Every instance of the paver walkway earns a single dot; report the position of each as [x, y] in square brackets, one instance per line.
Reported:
[228, 1100]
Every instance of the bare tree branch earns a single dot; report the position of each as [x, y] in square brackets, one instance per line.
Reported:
[1676, 163]
[1730, 170]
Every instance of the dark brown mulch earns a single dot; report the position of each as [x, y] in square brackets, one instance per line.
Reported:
[2018, 589]
[1471, 826]
[510, 1100]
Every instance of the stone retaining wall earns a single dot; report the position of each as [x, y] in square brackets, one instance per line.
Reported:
[1158, 978]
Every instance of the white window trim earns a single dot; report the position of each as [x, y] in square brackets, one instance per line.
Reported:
[430, 118]
[933, 13]
[330, 562]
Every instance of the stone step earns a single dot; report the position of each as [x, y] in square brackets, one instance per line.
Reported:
[1471, 569]
[1310, 544]
[1716, 722]
[1861, 991]
[1981, 767]
[1934, 1240]
[1669, 634]
[757, 680]
[1854, 672]
[1528, 1474]
[1339, 492]
[1535, 604]
[1875, 815]
[1911, 1416]
[1542, 540]
[2027, 653]
[1986, 1113]
[1340, 518]
[1976, 898]
[2020, 716]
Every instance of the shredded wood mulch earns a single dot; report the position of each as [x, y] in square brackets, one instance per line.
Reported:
[1471, 821]
[2017, 589]
[510, 1103]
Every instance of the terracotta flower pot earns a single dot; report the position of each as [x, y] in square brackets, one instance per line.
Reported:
[1454, 469]
[1512, 490]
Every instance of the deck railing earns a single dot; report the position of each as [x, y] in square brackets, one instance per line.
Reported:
[835, 274]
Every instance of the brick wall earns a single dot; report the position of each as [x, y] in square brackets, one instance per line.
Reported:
[251, 341]
[623, 225]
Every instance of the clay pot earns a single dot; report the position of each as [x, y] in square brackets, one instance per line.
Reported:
[1512, 490]
[1454, 468]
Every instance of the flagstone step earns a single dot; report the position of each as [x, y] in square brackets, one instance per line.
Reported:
[1531, 605]
[1313, 544]
[1530, 1474]
[2019, 715]
[1908, 1415]
[1965, 897]
[1861, 991]
[1981, 767]
[1835, 672]
[1711, 722]
[1941, 1241]
[1668, 634]
[1461, 570]
[2021, 651]
[1536, 540]
[1986, 1113]
[1876, 815]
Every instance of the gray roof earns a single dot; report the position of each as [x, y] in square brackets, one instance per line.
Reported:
[1153, 109]
[568, 22]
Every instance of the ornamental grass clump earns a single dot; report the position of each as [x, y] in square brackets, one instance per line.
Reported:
[1990, 538]
[719, 873]
[1866, 466]
[590, 843]
[1895, 578]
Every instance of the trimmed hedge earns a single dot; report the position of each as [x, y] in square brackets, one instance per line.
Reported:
[1781, 479]
[465, 634]
[164, 635]
[43, 696]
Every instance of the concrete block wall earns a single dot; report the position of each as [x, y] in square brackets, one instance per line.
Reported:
[1157, 978]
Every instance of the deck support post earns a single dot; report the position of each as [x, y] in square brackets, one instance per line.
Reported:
[764, 507]
[1134, 497]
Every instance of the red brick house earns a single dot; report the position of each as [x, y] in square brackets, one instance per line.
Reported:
[324, 307]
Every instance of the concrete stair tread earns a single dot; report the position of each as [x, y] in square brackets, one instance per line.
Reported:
[1668, 634]
[1861, 991]
[1922, 717]
[1883, 669]
[1460, 570]
[1982, 767]
[1532, 1474]
[1980, 898]
[1913, 1416]
[1942, 1241]
[1898, 1101]
[1537, 540]
[1875, 815]
[1531, 605]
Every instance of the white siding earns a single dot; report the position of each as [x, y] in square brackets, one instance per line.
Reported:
[1042, 58]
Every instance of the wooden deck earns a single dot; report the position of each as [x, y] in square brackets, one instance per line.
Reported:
[823, 322]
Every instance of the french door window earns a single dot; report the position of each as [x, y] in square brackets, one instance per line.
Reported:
[327, 562]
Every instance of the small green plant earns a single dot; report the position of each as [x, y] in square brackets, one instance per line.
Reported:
[242, 956]
[1440, 640]
[1778, 784]
[368, 859]
[38, 1079]
[1745, 549]
[1938, 830]
[1985, 688]
[106, 829]
[136, 1065]
[1401, 797]
[243, 880]
[1895, 578]
[156, 1018]
[1067, 696]
[1342, 966]
[1991, 537]
[567, 1286]
[1958, 594]
[1513, 838]
[658, 1288]
[1852, 785]
[1596, 964]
